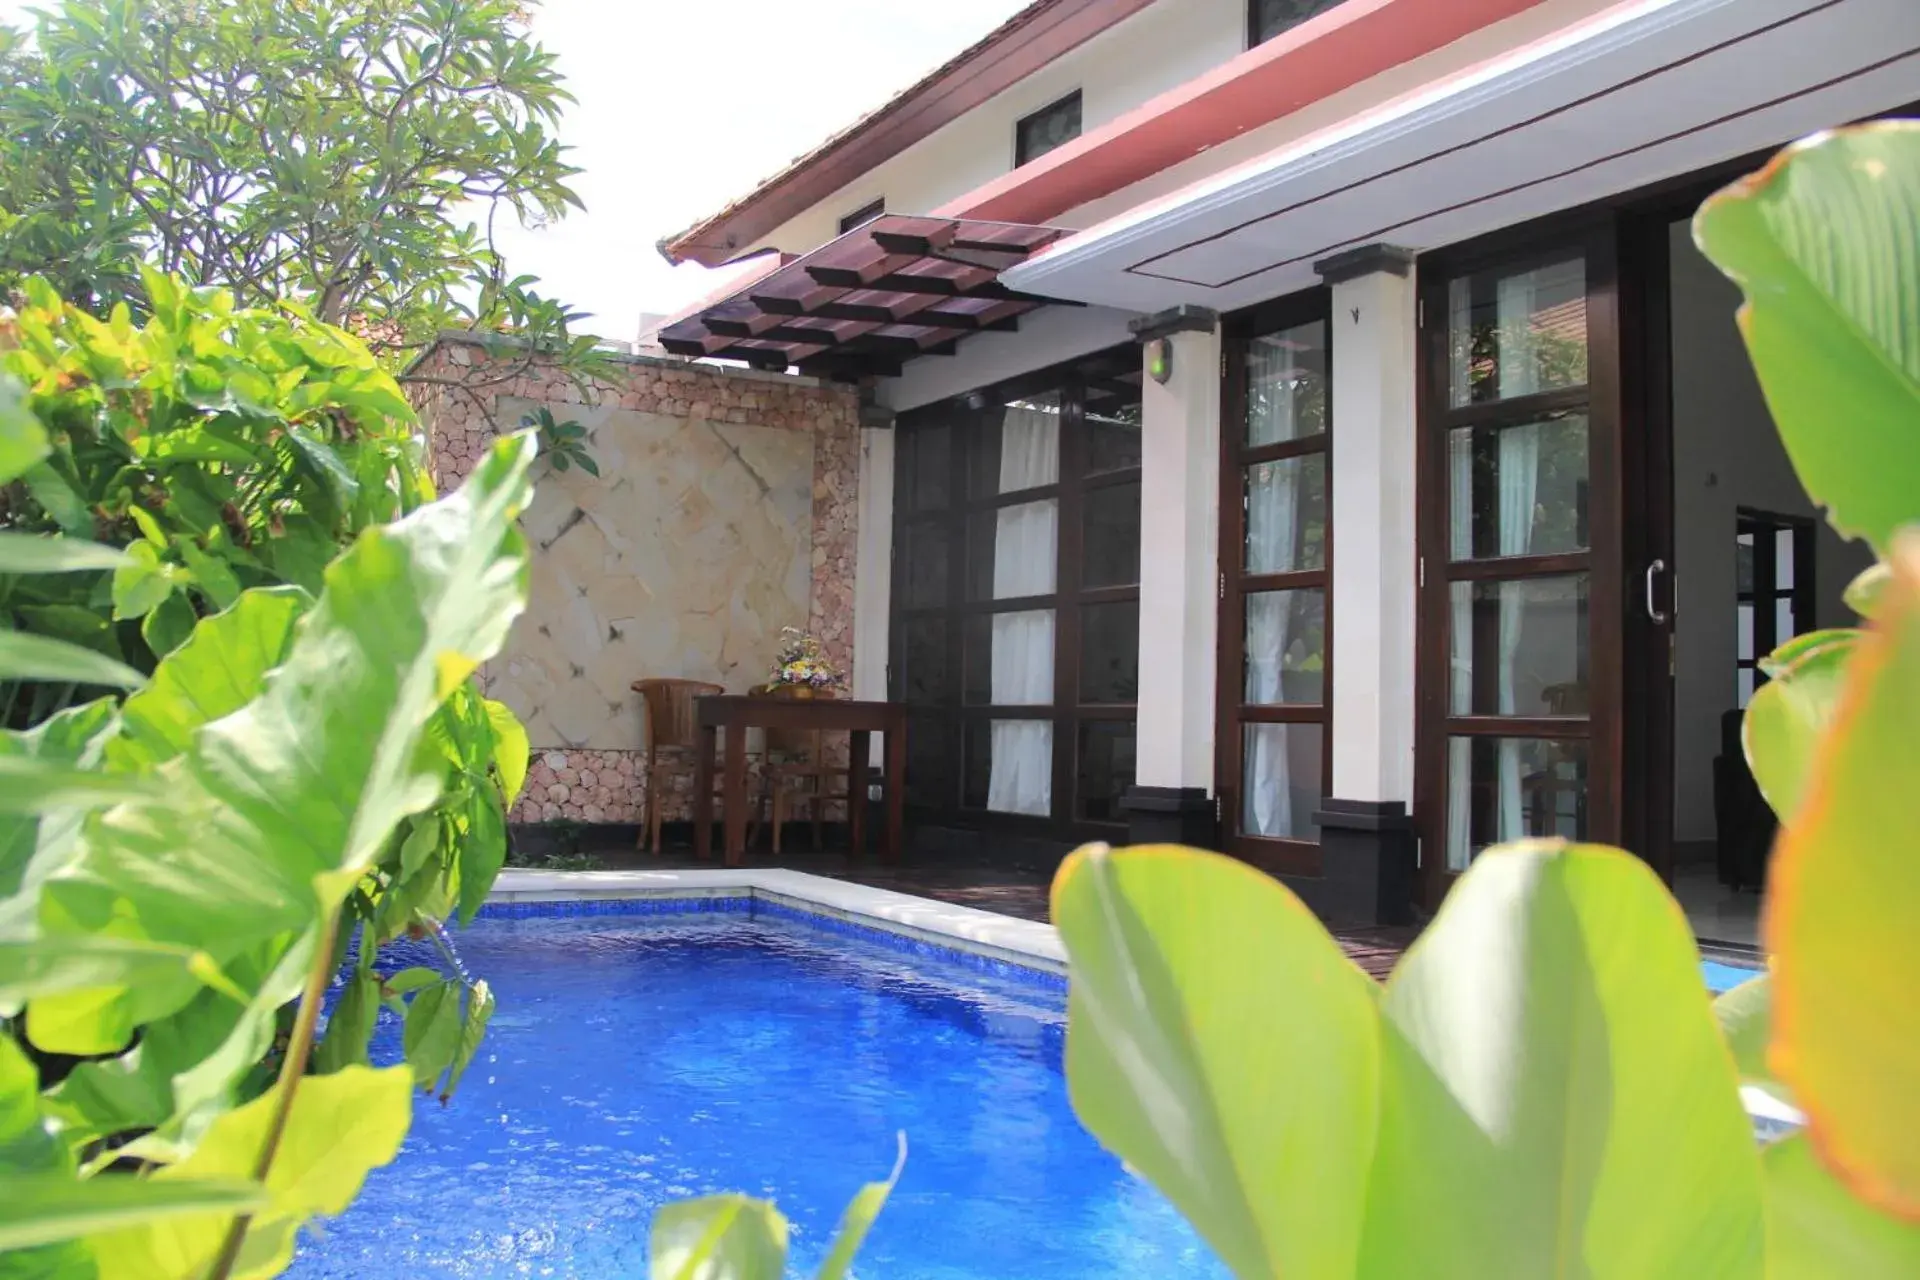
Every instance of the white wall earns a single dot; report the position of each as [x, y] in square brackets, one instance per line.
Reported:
[1159, 48]
[1726, 454]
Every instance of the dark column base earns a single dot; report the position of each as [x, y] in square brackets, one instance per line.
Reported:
[1171, 815]
[1367, 861]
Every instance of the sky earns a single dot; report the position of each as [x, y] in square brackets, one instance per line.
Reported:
[683, 106]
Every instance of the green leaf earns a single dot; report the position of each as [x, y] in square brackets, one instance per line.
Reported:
[48, 553]
[341, 1126]
[482, 852]
[1843, 894]
[511, 749]
[472, 1031]
[1242, 1081]
[38, 1209]
[1863, 593]
[218, 669]
[167, 627]
[211, 574]
[1788, 718]
[350, 1025]
[412, 979]
[1556, 1097]
[29, 657]
[1816, 1229]
[432, 1033]
[51, 490]
[23, 441]
[1821, 241]
[723, 1237]
[28, 1147]
[60, 974]
[142, 582]
[30, 786]
[858, 1220]
[1745, 1015]
[33, 848]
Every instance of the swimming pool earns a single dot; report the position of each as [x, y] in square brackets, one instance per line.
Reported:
[731, 1044]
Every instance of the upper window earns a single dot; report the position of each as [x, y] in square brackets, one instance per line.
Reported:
[1049, 127]
[863, 215]
[1268, 18]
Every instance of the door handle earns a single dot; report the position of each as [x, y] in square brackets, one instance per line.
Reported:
[1654, 615]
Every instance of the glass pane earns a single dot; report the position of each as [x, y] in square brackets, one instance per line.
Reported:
[1113, 426]
[1743, 565]
[1783, 628]
[1286, 506]
[1110, 652]
[1009, 659]
[1286, 647]
[1745, 687]
[1519, 648]
[926, 465]
[1501, 789]
[1105, 769]
[1012, 551]
[1286, 384]
[1519, 490]
[1743, 634]
[1517, 333]
[1271, 17]
[1783, 561]
[1009, 766]
[930, 763]
[924, 553]
[1280, 780]
[1015, 446]
[925, 677]
[1110, 541]
[1047, 128]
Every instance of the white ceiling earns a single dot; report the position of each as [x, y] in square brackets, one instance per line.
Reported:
[1642, 92]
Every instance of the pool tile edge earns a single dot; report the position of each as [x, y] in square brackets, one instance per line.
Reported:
[983, 933]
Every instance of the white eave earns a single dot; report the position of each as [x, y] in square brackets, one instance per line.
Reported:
[1642, 92]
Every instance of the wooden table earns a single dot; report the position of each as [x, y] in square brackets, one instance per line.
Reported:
[858, 720]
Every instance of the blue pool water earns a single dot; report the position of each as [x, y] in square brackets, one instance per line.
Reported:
[640, 1059]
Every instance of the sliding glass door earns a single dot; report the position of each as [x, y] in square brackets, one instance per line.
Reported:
[1520, 551]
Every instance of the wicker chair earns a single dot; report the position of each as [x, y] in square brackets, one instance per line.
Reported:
[668, 721]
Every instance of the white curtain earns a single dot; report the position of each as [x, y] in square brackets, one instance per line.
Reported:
[1460, 673]
[1519, 476]
[1273, 504]
[1024, 554]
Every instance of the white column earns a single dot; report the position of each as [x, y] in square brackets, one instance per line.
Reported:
[1374, 565]
[873, 569]
[1179, 565]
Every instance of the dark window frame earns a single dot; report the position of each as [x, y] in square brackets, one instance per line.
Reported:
[863, 215]
[1765, 526]
[953, 717]
[1257, 20]
[1023, 146]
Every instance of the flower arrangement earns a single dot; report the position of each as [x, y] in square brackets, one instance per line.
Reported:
[801, 666]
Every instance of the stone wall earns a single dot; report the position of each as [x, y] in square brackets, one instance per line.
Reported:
[725, 510]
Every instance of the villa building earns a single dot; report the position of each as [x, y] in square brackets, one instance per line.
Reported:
[1305, 428]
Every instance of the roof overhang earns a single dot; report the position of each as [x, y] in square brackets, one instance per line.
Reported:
[889, 291]
[1032, 38]
[1642, 92]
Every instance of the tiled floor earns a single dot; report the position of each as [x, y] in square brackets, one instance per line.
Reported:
[1014, 886]
[1717, 913]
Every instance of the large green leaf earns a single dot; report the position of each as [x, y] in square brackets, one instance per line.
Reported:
[341, 1126]
[1844, 893]
[278, 808]
[31, 848]
[510, 749]
[44, 553]
[39, 1209]
[1818, 1230]
[1242, 1080]
[218, 669]
[723, 1237]
[1823, 243]
[1789, 714]
[23, 441]
[30, 657]
[28, 1148]
[1556, 1098]
[1745, 1015]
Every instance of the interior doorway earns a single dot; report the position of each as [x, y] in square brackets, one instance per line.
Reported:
[1748, 563]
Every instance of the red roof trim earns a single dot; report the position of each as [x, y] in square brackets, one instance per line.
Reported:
[1340, 48]
[1026, 42]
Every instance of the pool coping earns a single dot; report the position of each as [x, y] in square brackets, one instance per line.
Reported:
[1008, 939]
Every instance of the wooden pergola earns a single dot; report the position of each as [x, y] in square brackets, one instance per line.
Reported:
[864, 304]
